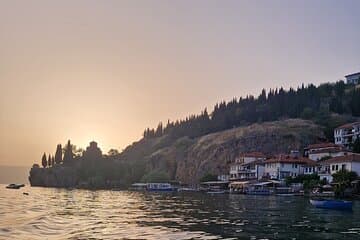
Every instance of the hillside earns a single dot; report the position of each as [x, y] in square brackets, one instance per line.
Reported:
[187, 159]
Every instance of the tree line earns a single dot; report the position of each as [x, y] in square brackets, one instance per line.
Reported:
[62, 156]
[311, 102]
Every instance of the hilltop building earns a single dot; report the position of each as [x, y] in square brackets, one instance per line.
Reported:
[353, 78]
[347, 134]
[92, 152]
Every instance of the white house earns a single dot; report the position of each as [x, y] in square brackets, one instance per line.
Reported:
[353, 78]
[347, 134]
[283, 166]
[350, 162]
[318, 151]
[247, 166]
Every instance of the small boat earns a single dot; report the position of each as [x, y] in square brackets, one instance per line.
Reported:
[216, 192]
[138, 187]
[185, 189]
[160, 187]
[331, 204]
[285, 194]
[15, 186]
[264, 192]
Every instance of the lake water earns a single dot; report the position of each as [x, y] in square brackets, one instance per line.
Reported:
[80, 214]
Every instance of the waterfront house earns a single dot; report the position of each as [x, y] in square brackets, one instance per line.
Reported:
[247, 166]
[283, 166]
[319, 151]
[346, 134]
[353, 78]
[350, 162]
[223, 177]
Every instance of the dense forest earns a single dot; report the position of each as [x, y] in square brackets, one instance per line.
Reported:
[329, 105]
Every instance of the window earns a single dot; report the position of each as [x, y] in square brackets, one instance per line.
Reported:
[295, 165]
[343, 167]
[282, 165]
[333, 167]
[337, 167]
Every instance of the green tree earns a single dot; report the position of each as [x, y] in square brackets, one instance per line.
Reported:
[307, 113]
[356, 145]
[343, 179]
[156, 176]
[44, 161]
[344, 176]
[68, 153]
[113, 152]
[58, 154]
[208, 177]
[49, 161]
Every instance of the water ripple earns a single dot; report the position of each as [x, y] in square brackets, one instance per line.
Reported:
[80, 214]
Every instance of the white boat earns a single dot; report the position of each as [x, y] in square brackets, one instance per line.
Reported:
[186, 189]
[160, 187]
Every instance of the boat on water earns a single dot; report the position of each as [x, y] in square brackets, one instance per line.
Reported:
[187, 189]
[261, 188]
[216, 192]
[263, 192]
[138, 187]
[331, 204]
[160, 187]
[15, 186]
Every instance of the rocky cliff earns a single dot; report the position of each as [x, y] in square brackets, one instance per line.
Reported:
[187, 160]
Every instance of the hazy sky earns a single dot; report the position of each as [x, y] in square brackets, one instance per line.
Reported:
[105, 70]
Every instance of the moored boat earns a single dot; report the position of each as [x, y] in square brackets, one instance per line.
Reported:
[160, 187]
[216, 192]
[263, 192]
[331, 204]
[15, 186]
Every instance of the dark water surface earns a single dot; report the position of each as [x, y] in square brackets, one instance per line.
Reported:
[80, 214]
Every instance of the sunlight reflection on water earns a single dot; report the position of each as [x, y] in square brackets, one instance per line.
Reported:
[81, 214]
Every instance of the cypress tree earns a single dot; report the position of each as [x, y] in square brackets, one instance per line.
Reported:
[49, 161]
[68, 154]
[58, 154]
[44, 161]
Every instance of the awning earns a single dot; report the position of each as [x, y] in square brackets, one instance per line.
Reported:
[239, 183]
[263, 183]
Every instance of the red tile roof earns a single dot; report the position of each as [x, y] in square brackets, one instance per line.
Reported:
[348, 125]
[253, 154]
[289, 159]
[354, 157]
[330, 150]
[256, 162]
[322, 145]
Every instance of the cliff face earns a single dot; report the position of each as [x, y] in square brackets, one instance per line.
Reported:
[187, 160]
